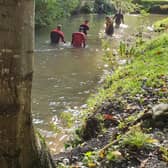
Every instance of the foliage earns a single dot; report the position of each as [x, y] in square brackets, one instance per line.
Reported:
[126, 6]
[161, 25]
[150, 63]
[108, 55]
[104, 6]
[67, 119]
[136, 138]
[164, 151]
[129, 119]
[125, 51]
[41, 138]
[54, 128]
[112, 58]
[111, 6]
[113, 155]
[153, 6]
[86, 8]
[76, 139]
[73, 143]
[49, 10]
[90, 158]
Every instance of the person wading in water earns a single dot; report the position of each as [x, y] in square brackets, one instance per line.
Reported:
[85, 26]
[109, 30]
[118, 17]
[57, 35]
[79, 39]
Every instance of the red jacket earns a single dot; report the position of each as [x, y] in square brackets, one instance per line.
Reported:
[78, 39]
[60, 33]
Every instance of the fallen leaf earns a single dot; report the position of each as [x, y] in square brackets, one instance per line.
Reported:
[107, 117]
[102, 154]
[91, 165]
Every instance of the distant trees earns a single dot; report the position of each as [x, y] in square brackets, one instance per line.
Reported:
[49, 10]
[111, 6]
[126, 5]
[104, 6]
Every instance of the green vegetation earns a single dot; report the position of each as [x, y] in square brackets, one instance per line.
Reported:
[164, 151]
[161, 25]
[67, 119]
[130, 119]
[90, 158]
[111, 6]
[48, 11]
[103, 6]
[113, 155]
[136, 138]
[154, 6]
[148, 67]
[87, 7]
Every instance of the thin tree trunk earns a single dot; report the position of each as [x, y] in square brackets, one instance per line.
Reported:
[18, 145]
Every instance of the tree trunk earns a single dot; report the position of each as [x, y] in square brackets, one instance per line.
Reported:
[18, 145]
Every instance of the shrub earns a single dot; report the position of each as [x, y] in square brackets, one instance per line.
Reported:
[137, 139]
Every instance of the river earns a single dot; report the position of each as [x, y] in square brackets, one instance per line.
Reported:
[64, 77]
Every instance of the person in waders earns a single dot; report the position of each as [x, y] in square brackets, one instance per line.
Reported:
[119, 18]
[85, 27]
[109, 29]
[57, 36]
[79, 39]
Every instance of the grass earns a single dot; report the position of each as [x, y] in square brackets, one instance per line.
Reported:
[150, 63]
[164, 151]
[161, 25]
[136, 138]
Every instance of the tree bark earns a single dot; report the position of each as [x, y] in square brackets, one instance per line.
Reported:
[19, 147]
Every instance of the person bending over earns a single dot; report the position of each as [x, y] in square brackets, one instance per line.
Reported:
[57, 35]
[79, 39]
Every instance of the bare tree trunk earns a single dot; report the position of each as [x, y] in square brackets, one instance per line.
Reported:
[18, 145]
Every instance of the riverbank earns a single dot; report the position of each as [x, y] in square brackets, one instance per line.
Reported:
[161, 25]
[126, 126]
[154, 6]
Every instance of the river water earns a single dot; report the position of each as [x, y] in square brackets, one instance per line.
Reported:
[65, 77]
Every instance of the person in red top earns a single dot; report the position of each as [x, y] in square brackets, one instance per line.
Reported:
[85, 26]
[57, 35]
[79, 39]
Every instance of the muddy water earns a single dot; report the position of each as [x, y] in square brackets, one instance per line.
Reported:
[65, 77]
